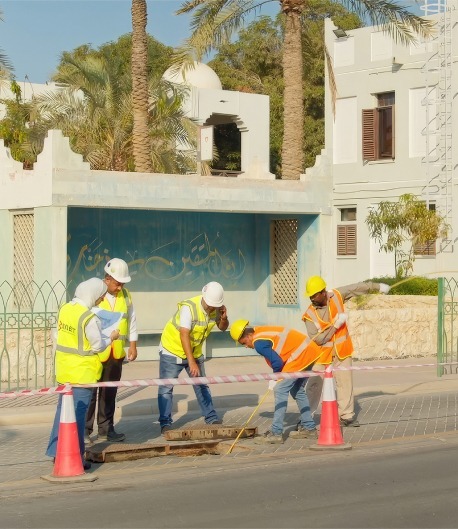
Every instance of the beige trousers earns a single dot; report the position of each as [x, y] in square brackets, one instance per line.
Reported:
[344, 386]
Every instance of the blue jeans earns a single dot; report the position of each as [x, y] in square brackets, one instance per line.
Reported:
[168, 368]
[81, 399]
[295, 388]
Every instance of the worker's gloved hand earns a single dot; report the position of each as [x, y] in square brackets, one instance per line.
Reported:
[340, 320]
[384, 288]
[272, 384]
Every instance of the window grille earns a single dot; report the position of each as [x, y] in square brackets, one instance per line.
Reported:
[284, 261]
[23, 259]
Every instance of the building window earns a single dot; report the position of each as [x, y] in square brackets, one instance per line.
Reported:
[429, 247]
[284, 261]
[378, 129]
[346, 232]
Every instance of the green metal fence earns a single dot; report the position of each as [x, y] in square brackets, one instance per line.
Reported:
[447, 339]
[28, 315]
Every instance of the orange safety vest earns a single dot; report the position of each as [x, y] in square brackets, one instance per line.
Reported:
[340, 342]
[295, 348]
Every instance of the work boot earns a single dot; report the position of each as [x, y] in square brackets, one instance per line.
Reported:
[165, 428]
[349, 422]
[269, 439]
[303, 433]
[111, 436]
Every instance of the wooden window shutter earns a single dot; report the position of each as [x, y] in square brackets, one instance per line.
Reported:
[346, 239]
[370, 134]
[392, 136]
[428, 248]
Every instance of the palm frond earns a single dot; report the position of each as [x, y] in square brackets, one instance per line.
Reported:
[395, 20]
[215, 21]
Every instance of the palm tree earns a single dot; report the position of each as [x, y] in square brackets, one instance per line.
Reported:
[94, 109]
[141, 139]
[214, 22]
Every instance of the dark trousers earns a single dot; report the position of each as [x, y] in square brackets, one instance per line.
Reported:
[112, 370]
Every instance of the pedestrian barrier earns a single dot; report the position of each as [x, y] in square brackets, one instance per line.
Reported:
[68, 464]
[330, 436]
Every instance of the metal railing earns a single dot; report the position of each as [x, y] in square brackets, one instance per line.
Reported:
[447, 340]
[28, 316]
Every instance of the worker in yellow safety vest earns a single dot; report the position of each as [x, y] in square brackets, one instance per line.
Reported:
[285, 351]
[181, 348]
[326, 321]
[78, 345]
[117, 300]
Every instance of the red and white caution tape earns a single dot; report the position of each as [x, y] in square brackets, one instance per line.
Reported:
[34, 392]
[224, 379]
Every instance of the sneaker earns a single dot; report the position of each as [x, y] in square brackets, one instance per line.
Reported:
[269, 439]
[303, 433]
[165, 428]
[87, 440]
[218, 421]
[349, 422]
[111, 436]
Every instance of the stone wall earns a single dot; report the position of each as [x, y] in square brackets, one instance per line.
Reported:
[393, 326]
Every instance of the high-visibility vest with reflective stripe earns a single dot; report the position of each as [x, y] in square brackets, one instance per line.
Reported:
[76, 362]
[123, 301]
[295, 348]
[340, 342]
[201, 326]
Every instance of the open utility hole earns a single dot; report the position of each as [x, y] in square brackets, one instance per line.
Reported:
[103, 453]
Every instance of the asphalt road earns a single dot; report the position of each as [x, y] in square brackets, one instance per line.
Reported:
[385, 485]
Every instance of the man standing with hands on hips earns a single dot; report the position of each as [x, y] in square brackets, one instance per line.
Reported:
[326, 323]
[117, 299]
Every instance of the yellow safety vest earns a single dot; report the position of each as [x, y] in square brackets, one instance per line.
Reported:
[76, 362]
[201, 326]
[296, 349]
[123, 301]
[340, 342]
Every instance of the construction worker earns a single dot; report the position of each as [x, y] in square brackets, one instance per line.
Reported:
[79, 339]
[117, 299]
[181, 348]
[285, 351]
[326, 322]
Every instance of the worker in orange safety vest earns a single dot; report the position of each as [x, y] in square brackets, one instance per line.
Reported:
[287, 351]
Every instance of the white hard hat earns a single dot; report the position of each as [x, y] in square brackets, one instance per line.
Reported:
[118, 270]
[213, 294]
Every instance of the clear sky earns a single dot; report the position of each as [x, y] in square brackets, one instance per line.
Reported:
[34, 33]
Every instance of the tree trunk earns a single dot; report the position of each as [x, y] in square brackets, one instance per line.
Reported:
[140, 134]
[293, 114]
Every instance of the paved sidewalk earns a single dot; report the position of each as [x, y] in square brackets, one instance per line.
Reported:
[392, 404]
[369, 383]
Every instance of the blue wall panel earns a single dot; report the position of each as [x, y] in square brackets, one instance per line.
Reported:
[166, 251]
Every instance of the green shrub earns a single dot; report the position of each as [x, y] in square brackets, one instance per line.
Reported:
[412, 286]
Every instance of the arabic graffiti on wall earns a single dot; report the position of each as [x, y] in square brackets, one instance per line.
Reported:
[166, 251]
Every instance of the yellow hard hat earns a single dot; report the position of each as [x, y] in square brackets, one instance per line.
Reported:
[237, 329]
[314, 284]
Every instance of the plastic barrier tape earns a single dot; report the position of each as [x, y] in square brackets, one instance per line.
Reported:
[225, 379]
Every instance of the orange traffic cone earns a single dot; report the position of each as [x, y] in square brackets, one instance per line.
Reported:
[330, 436]
[68, 465]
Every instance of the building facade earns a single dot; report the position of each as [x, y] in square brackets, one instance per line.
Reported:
[391, 134]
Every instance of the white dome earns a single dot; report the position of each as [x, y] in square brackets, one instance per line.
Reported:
[201, 76]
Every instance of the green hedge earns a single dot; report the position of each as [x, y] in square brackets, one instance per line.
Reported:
[412, 286]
